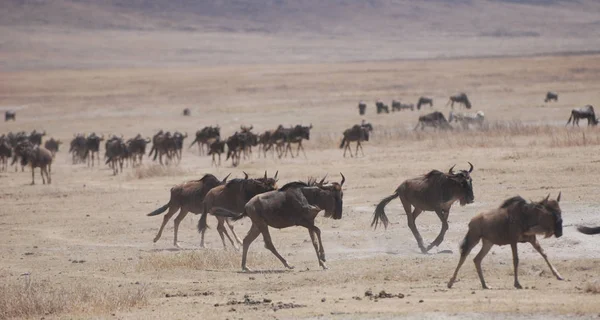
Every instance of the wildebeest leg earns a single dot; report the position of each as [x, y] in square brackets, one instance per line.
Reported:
[264, 229]
[303, 152]
[251, 236]
[444, 219]
[49, 173]
[32, 175]
[237, 239]
[288, 146]
[178, 220]
[170, 213]
[539, 249]
[42, 170]
[361, 149]
[466, 248]
[513, 247]
[213, 160]
[315, 237]
[346, 148]
[485, 248]
[219, 159]
[411, 217]
[223, 232]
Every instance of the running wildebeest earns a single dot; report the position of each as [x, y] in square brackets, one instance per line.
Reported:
[188, 197]
[295, 204]
[356, 133]
[186, 112]
[362, 107]
[52, 146]
[514, 221]
[588, 230]
[232, 196]
[92, 146]
[466, 119]
[216, 148]
[5, 153]
[137, 148]
[36, 137]
[35, 157]
[397, 105]
[460, 98]
[178, 138]
[435, 119]
[551, 96]
[10, 115]
[423, 101]
[286, 136]
[586, 112]
[434, 191]
[78, 148]
[115, 153]
[381, 107]
[203, 136]
[163, 144]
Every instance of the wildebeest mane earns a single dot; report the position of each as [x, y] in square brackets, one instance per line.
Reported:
[208, 176]
[514, 200]
[234, 182]
[294, 184]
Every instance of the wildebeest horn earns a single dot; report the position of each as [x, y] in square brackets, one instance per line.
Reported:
[310, 127]
[245, 175]
[275, 177]
[558, 199]
[451, 171]
[471, 169]
[343, 179]
[225, 179]
[546, 199]
[323, 180]
[251, 126]
[265, 174]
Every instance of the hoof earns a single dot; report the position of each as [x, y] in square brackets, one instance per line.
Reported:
[246, 269]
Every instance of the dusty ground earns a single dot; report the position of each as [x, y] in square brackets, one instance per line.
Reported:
[88, 214]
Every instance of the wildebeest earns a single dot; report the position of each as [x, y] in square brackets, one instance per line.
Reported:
[78, 148]
[434, 191]
[466, 119]
[551, 96]
[362, 107]
[460, 98]
[381, 107]
[163, 144]
[188, 197]
[397, 105]
[52, 146]
[514, 221]
[5, 153]
[588, 230]
[186, 112]
[116, 152]
[178, 138]
[92, 146]
[137, 148]
[35, 157]
[287, 136]
[36, 137]
[203, 136]
[586, 112]
[435, 119]
[356, 133]
[10, 115]
[295, 204]
[232, 196]
[423, 101]
[216, 148]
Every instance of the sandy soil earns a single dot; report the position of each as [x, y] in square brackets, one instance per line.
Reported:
[89, 214]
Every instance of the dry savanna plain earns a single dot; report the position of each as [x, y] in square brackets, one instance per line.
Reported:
[82, 246]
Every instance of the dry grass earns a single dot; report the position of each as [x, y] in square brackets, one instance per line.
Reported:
[207, 259]
[34, 298]
[155, 170]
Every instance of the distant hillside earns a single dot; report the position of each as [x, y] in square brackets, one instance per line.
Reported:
[103, 33]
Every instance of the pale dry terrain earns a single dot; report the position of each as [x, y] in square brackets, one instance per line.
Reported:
[84, 243]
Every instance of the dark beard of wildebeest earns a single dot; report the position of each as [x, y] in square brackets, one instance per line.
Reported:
[435, 191]
[586, 112]
[232, 196]
[381, 107]
[588, 230]
[116, 153]
[77, 148]
[203, 136]
[137, 148]
[36, 137]
[5, 153]
[52, 146]
[514, 221]
[551, 96]
[435, 119]
[186, 197]
[362, 107]
[216, 148]
[460, 98]
[36, 157]
[357, 133]
[295, 204]
[10, 115]
[423, 101]
[92, 146]
[398, 106]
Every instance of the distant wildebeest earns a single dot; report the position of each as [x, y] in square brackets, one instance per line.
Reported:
[356, 133]
[178, 138]
[36, 137]
[137, 148]
[586, 112]
[52, 146]
[5, 153]
[116, 153]
[235, 144]
[163, 144]
[435, 191]
[423, 101]
[398, 106]
[188, 197]
[286, 136]
[92, 146]
[295, 204]
[10, 115]
[381, 107]
[514, 221]
[551, 96]
[266, 140]
[203, 136]
[435, 119]
[466, 119]
[186, 112]
[460, 98]
[362, 107]
[588, 230]
[216, 148]
[78, 148]
[35, 157]
[232, 196]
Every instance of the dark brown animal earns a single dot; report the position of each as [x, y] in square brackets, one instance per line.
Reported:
[356, 133]
[52, 146]
[92, 146]
[362, 107]
[460, 98]
[435, 191]
[35, 157]
[116, 154]
[5, 153]
[204, 136]
[233, 196]
[186, 112]
[423, 101]
[137, 148]
[295, 204]
[186, 197]
[551, 96]
[216, 148]
[435, 119]
[514, 221]
[586, 112]
[588, 230]
[10, 115]
[36, 137]
[398, 106]
[78, 148]
[381, 107]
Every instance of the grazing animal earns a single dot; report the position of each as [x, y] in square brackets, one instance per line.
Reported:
[362, 107]
[460, 98]
[52, 146]
[466, 119]
[10, 115]
[397, 105]
[435, 119]
[232, 196]
[356, 133]
[186, 197]
[435, 191]
[423, 101]
[295, 204]
[586, 112]
[381, 107]
[551, 96]
[588, 230]
[186, 112]
[35, 157]
[514, 221]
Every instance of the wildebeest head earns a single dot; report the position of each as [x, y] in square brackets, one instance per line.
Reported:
[332, 198]
[550, 221]
[269, 181]
[463, 185]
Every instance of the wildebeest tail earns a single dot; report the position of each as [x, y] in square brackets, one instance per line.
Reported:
[379, 215]
[570, 118]
[343, 142]
[195, 140]
[222, 212]
[588, 230]
[467, 103]
[202, 222]
[159, 210]
[464, 244]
